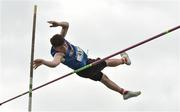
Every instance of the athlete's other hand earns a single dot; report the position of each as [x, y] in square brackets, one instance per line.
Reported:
[53, 23]
[37, 63]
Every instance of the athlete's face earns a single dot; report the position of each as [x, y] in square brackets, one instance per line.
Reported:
[61, 48]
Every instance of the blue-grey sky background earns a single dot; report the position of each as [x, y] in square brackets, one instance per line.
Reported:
[102, 27]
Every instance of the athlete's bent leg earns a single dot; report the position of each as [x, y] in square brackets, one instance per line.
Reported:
[113, 86]
[115, 62]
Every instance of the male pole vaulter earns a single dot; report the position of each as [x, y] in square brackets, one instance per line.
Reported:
[75, 58]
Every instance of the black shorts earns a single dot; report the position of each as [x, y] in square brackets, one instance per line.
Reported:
[93, 72]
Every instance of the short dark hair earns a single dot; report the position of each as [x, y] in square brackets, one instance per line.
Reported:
[57, 40]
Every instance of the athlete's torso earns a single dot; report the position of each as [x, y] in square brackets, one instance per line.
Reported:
[74, 57]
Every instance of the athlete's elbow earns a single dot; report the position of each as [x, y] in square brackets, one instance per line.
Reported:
[55, 65]
[66, 24]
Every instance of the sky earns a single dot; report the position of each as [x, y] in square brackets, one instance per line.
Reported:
[101, 27]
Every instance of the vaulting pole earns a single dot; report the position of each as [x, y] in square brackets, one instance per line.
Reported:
[95, 63]
[32, 58]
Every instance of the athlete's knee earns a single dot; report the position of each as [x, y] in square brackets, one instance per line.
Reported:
[108, 62]
[104, 79]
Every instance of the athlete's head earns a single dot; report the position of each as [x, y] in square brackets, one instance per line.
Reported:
[57, 40]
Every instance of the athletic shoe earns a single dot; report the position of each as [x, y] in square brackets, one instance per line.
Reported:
[131, 94]
[126, 57]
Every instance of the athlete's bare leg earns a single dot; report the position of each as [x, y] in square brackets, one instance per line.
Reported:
[113, 86]
[115, 62]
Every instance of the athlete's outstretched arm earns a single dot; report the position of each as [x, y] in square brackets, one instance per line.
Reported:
[55, 62]
[64, 25]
